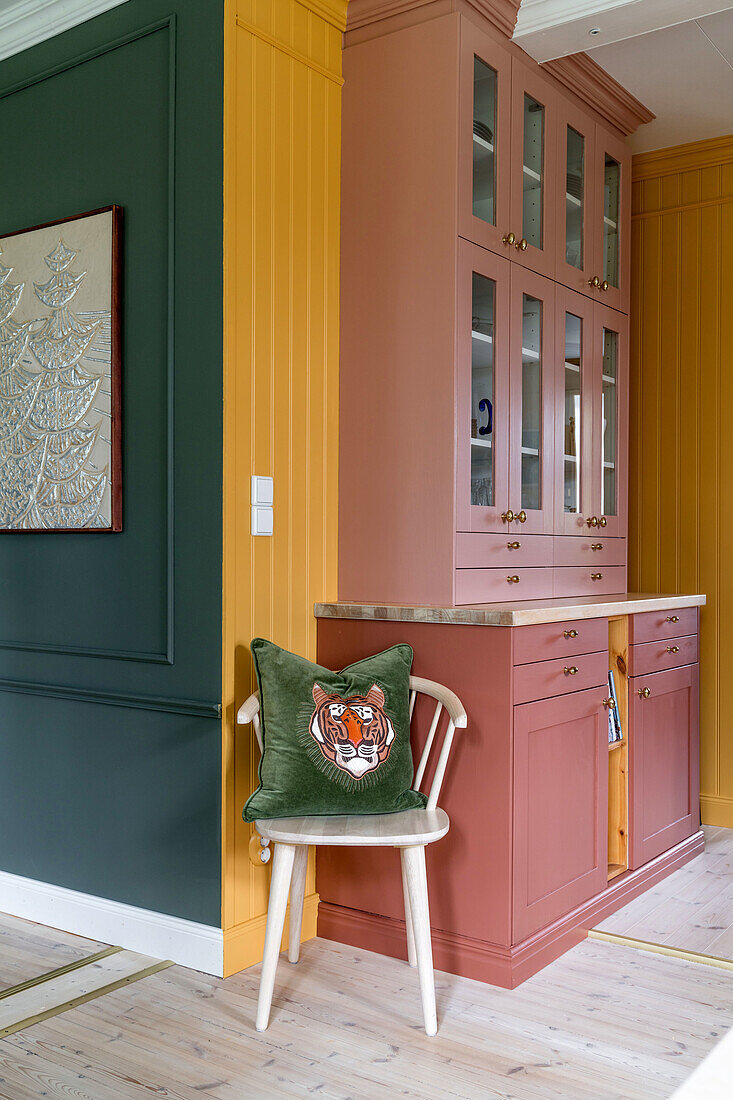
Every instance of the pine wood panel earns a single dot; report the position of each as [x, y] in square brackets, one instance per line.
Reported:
[281, 257]
[681, 460]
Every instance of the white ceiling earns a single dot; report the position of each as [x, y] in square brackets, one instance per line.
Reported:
[24, 23]
[676, 56]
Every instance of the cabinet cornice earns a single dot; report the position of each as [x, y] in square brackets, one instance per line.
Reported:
[501, 13]
[580, 74]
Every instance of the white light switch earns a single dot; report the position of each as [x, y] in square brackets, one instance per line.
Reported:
[263, 517]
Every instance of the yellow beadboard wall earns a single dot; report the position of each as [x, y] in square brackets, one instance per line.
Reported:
[282, 121]
[681, 445]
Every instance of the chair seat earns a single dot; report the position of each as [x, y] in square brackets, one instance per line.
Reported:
[372, 830]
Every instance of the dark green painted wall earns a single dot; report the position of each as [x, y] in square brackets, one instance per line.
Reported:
[121, 798]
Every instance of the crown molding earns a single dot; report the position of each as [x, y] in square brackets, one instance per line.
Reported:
[585, 77]
[25, 23]
[542, 15]
[330, 11]
[502, 13]
[683, 158]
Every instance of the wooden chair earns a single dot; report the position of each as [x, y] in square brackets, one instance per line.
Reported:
[410, 831]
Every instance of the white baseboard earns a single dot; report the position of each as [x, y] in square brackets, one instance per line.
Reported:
[198, 946]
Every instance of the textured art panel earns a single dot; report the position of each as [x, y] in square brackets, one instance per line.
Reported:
[60, 442]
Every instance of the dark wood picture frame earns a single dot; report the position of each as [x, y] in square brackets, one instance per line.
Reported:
[115, 526]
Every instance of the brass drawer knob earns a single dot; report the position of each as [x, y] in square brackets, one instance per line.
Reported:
[571, 633]
[603, 522]
[521, 246]
[596, 546]
[672, 619]
[570, 671]
[509, 239]
[513, 545]
[596, 576]
[604, 285]
[643, 693]
[521, 517]
[592, 521]
[595, 282]
[507, 517]
[610, 703]
[513, 579]
[673, 649]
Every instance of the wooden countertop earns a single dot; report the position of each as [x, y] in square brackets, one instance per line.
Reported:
[527, 613]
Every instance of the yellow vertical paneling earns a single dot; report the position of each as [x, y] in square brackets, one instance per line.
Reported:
[681, 479]
[281, 279]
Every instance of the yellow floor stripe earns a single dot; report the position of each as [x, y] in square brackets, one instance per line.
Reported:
[662, 949]
[59, 972]
[83, 998]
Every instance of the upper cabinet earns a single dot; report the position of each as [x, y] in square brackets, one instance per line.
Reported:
[611, 278]
[533, 171]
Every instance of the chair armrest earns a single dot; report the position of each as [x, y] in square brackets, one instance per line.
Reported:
[248, 710]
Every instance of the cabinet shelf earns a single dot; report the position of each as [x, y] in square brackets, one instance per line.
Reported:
[480, 442]
[531, 451]
[616, 745]
[531, 178]
[483, 143]
[573, 200]
[615, 869]
[610, 223]
[527, 353]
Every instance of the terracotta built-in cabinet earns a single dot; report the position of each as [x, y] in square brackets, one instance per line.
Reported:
[484, 332]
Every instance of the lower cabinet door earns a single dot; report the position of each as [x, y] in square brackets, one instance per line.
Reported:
[560, 807]
[664, 761]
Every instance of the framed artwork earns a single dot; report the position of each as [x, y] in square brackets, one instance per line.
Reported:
[60, 366]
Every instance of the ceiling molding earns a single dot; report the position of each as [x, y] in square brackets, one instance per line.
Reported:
[25, 23]
[502, 13]
[585, 77]
[683, 158]
[330, 11]
[541, 15]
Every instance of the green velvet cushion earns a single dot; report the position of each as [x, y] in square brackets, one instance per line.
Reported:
[334, 742]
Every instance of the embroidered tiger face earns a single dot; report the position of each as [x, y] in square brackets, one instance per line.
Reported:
[355, 733]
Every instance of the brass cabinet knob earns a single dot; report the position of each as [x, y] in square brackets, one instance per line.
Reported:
[595, 282]
[571, 633]
[604, 285]
[508, 239]
[610, 703]
[603, 522]
[672, 619]
[513, 545]
[521, 246]
[643, 693]
[570, 671]
[521, 517]
[592, 521]
[596, 576]
[596, 546]
[507, 517]
[513, 579]
[673, 649]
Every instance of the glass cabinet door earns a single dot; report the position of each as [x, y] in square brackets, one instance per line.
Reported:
[576, 251]
[531, 386]
[574, 403]
[610, 419]
[612, 222]
[484, 139]
[534, 162]
[483, 389]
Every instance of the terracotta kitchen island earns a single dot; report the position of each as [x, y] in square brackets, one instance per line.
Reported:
[552, 827]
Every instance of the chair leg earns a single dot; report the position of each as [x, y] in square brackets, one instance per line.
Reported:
[282, 869]
[417, 883]
[411, 956]
[297, 894]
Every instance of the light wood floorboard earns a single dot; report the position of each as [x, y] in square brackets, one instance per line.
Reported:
[27, 950]
[692, 909]
[601, 1023]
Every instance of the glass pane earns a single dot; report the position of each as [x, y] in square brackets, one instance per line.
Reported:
[482, 391]
[532, 168]
[610, 423]
[484, 133]
[574, 198]
[531, 402]
[611, 199]
[573, 403]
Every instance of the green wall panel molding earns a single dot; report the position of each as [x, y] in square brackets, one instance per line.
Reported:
[110, 645]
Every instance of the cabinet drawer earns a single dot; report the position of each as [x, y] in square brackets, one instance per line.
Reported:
[479, 550]
[651, 625]
[544, 679]
[566, 639]
[590, 582]
[646, 657]
[493, 586]
[592, 551]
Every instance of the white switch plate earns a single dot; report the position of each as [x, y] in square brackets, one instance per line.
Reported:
[262, 497]
[263, 520]
[263, 490]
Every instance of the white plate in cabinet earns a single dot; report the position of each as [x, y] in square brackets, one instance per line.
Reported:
[506, 585]
[478, 549]
[593, 550]
[545, 679]
[587, 581]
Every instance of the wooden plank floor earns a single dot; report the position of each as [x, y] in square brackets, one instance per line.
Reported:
[692, 909]
[27, 950]
[601, 1023]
